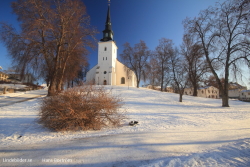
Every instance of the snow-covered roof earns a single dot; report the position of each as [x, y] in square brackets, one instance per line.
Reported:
[235, 86]
[206, 87]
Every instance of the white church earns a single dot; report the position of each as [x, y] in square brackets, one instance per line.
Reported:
[110, 71]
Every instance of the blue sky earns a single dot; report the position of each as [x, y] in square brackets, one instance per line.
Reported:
[132, 21]
[147, 20]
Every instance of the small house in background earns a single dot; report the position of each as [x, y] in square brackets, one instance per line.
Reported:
[245, 95]
[157, 88]
[235, 90]
[4, 76]
[188, 91]
[149, 86]
[27, 78]
[165, 89]
[207, 92]
[169, 89]
[154, 87]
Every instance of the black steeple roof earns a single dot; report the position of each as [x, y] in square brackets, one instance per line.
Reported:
[108, 20]
[108, 33]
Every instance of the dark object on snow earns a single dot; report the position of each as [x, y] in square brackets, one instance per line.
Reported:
[132, 123]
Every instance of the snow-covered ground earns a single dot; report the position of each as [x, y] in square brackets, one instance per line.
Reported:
[197, 132]
[12, 98]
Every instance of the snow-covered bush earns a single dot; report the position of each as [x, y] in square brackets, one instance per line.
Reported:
[82, 108]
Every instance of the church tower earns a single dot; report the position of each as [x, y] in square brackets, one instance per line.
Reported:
[108, 33]
[109, 71]
[107, 55]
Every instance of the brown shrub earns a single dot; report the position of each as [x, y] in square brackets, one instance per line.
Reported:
[82, 108]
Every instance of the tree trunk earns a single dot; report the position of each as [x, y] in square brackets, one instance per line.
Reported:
[52, 89]
[225, 101]
[58, 86]
[68, 84]
[162, 75]
[62, 87]
[180, 97]
[162, 78]
[138, 83]
[195, 93]
[224, 96]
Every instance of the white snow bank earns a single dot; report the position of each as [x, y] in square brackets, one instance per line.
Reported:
[236, 154]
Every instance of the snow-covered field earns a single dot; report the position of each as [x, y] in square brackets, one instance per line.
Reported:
[197, 132]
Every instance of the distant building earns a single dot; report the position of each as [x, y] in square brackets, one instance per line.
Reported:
[188, 91]
[207, 92]
[169, 89]
[245, 95]
[4, 76]
[235, 90]
[27, 78]
[166, 89]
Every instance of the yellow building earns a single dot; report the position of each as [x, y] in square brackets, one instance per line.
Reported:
[207, 92]
[3, 76]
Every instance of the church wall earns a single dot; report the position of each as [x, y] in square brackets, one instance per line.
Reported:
[91, 75]
[121, 73]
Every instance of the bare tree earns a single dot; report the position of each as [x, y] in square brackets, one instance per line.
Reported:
[179, 72]
[223, 32]
[195, 61]
[54, 35]
[153, 72]
[162, 55]
[136, 59]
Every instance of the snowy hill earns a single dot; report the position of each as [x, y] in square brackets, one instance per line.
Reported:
[196, 132]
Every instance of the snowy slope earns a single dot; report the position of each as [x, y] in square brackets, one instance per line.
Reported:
[197, 132]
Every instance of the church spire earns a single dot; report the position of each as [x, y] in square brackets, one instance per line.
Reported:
[108, 33]
[108, 16]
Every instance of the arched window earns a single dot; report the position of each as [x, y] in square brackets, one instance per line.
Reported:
[105, 49]
[122, 80]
